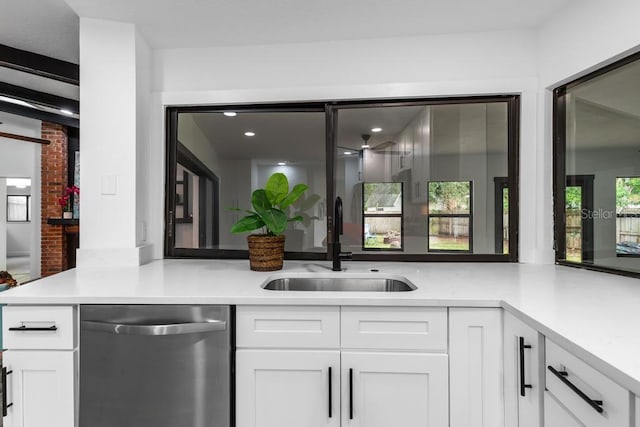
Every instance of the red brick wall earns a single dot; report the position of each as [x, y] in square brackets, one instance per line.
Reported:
[54, 181]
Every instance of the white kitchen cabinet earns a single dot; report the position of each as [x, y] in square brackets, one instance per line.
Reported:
[389, 367]
[40, 388]
[475, 366]
[41, 365]
[287, 388]
[583, 392]
[556, 415]
[522, 374]
[394, 389]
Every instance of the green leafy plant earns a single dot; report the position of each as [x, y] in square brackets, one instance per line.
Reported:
[269, 207]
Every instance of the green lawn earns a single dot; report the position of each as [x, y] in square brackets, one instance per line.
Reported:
[448, 243]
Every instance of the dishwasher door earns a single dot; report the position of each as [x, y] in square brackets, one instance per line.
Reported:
[156, 365]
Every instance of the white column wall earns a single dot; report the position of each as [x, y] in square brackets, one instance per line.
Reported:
[114, 73]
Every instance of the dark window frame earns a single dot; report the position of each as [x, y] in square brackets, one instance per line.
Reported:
[331, 109]
[585, 182]
[559, 114]
[500, 184]
[28, 199]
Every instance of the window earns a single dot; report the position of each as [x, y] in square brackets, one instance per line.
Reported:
[382, 216]
[381, 157]
[450, 218]
[597, 169]
[18, 208]
[628, 217]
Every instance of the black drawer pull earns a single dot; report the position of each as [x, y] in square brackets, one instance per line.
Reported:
[562, 375]
[350, 393]
[523, 386]
[330, 397]
[24, 328]
[5, 405]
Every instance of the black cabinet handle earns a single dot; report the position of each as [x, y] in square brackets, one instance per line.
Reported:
[562, 375]
[350, 393]
[5, 405]
[523, 385]
[330, 387]
[24, 328]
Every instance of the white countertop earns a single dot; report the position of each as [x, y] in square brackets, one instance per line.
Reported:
[595, 315]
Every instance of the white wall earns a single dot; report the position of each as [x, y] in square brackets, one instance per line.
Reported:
[22, 160]
[442, 65]
[3, 224]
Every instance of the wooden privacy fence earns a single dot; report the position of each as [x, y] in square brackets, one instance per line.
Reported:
[448, 227]
[383, 225]
[574, 229]
[628, 229]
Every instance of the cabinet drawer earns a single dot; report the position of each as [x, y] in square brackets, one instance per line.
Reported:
[581, 378]
[287, 327]
[395, 328]
[45, 327]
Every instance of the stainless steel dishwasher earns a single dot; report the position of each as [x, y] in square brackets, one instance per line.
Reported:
[156, 365]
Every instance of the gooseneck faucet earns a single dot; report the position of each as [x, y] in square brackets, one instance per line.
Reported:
[337, 254]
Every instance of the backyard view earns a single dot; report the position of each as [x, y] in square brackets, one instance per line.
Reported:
[382, 215]
[628, 216]
[449, 216]
[573, 208]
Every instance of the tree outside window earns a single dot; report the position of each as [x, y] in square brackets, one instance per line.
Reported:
[450, 216]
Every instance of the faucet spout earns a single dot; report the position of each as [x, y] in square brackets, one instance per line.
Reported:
[337, 254]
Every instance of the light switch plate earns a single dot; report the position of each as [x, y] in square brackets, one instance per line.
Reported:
[108, 185]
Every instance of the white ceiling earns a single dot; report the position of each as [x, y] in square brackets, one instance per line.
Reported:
[47, 27]
[200, 23]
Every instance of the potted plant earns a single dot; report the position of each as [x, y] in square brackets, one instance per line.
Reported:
[270, 213]
[66, 201]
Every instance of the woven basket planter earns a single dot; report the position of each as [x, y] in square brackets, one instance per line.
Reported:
[266, 253]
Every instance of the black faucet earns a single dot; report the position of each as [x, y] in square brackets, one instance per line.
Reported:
[337, 254]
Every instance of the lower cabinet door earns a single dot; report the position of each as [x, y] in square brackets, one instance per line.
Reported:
[556, 415]
[394, 389]
[522, 376]
[287, 388]
[475, 358]
[40, 388]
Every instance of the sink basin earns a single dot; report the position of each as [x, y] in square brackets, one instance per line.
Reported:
[339, 284]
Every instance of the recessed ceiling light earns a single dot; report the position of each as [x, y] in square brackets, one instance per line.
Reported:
[230, 113]
[67, 112]
[249, 133]
[348, 152]
[376, 129]
[282, 163]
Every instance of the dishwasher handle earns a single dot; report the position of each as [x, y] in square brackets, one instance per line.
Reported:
[153, 330]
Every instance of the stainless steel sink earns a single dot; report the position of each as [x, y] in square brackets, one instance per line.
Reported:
[339, 284]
